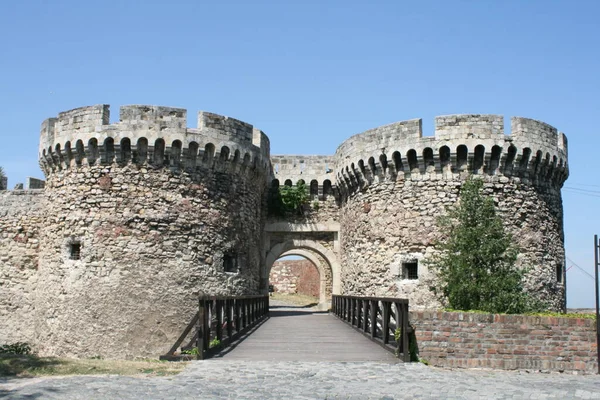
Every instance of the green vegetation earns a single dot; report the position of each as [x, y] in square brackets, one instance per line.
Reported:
[288, 199]
[31, 365]
[193, 351]
[476, 263]
[17, 359]
[413, 349]
[214, 343]
[19, 348]
[533, 314]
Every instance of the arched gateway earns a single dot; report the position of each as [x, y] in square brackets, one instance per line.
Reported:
[317, 243]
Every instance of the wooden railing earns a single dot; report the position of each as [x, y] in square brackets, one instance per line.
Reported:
[219, 321]
[383, 319]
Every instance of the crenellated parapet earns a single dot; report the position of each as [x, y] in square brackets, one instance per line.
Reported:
[151, 135]
[463, 144]
[315, 171]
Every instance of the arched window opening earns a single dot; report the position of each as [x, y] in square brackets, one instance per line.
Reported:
[479, 158]
[411, 156]
[361, 166]
[428, 158]
[327, 189]
[125, 150]
[495, 159]
[159, 152]
[92, 153]
[444, 157]
[246, 161]
[510, 155]
[397, 158]
[79, 152]
[383, 162]
[462, 154]
[525, 158]
[209, 153]
[372, 166]
[288, 182]
[224, 155]
[141, 148]
[175, 153]
[59, 155]
[192, 155]
[108, 150]
[314, 188]
[68, 154]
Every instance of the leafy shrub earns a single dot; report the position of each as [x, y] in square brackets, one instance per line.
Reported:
[288, 199]
[16, 348]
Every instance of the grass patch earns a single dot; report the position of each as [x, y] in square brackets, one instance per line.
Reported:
[301, 300]
[31, 366]
[537, 314]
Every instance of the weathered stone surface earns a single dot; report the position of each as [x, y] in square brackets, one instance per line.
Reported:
[138, 217]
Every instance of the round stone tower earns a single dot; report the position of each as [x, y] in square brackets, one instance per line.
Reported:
[394, 183]
[143, 215]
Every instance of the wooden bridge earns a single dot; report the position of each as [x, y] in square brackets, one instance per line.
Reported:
[249, 328]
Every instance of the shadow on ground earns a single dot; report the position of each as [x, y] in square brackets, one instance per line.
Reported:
[21, 365]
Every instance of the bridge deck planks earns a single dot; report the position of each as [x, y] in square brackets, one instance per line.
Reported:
[299, 334]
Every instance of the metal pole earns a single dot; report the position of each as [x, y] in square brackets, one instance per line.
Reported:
[596, 265]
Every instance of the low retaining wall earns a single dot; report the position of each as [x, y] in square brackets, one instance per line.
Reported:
[469, 340]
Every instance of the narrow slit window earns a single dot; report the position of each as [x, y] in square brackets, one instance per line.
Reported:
[410, 270]
[230, 263]
[75, 251]
[559, 273]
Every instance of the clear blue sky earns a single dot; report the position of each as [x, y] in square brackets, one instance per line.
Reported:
[311, 73]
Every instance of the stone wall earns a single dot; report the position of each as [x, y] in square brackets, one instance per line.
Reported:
[22, 215]
[295, 277]
[391, 223]
[140, 216]
[138, 229]
[394, 183]
[469, 340]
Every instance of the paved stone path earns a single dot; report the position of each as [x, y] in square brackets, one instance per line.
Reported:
[250, 374]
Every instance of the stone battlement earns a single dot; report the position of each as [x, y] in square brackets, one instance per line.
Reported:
[134, 209]
[474, 144]
[153, 134]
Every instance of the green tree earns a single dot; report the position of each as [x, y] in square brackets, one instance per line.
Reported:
[476, 263]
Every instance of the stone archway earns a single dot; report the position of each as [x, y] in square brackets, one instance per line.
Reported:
[318, 262]
[313, 251]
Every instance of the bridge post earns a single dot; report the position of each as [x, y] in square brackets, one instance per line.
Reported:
[202, 319]
[374, 305]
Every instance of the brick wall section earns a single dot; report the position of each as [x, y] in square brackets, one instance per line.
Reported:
[295, 276]
[470, 340]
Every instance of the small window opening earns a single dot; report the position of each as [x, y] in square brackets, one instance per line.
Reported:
[75, 251]
[559, 273]
[410, 270]
[230, 263]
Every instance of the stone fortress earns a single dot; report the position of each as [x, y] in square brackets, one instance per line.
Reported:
[139, 217]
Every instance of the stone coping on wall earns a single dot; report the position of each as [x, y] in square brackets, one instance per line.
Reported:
[511, 342]
[328, 226]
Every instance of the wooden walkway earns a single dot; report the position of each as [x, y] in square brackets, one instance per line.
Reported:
[301, 334]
